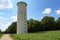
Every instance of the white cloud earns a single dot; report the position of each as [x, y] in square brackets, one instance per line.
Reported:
[47, 11]
[14, 18]
[41, 17]
[4, 23]
[5, 4]
[1, 17]
[4, 26]
[10, 4]
[58, 11]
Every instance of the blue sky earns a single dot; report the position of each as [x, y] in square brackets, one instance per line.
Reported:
[36, 9]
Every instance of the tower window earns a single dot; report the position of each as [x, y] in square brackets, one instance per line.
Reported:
[24, 11]
[24, 14]
[24, 24]
[25, 27]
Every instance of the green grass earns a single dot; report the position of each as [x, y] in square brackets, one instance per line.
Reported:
[49, 35]
[0, 35]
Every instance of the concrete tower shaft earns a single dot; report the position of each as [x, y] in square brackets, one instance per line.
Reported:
[22, 18]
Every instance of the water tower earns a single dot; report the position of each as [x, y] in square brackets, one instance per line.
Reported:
[22, 18]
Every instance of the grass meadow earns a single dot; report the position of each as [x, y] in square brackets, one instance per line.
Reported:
[48, 35]
[0, 35]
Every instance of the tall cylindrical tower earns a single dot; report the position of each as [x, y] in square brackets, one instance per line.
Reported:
[22, 18]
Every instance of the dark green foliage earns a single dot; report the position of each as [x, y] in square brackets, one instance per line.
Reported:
[12, 28]
[47, 23]
[58, 23]
[0, 31]
[34, 25]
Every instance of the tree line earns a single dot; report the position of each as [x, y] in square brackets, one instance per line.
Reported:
[47, 23]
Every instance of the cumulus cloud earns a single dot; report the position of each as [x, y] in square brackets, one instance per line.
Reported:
[5, 4]
[47, 11]
[4, 18]
[4, 23]
[14, 18]
[58, 11]
[4, 26]
[41, 17]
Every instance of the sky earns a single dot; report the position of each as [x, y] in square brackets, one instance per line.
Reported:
[36, 9]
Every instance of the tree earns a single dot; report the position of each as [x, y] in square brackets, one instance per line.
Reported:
[30, 25]
[48, 23]
[58, 23]
[0, 30]
[34, 25]
[12, 28]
